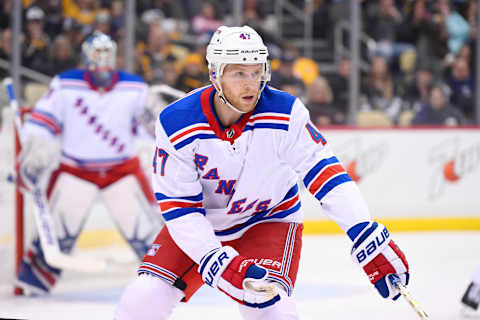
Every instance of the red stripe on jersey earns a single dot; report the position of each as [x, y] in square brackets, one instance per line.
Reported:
[285, 205]
[45, 120]
[270, 118]
[189, 131]
[326, 174]
[167, 205]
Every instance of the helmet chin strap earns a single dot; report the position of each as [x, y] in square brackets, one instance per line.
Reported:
[222, 97]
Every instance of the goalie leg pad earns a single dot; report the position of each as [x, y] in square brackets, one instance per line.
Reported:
[148, 298]
[133, 214]
[35, 275]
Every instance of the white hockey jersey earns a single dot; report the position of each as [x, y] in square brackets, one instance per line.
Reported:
[247, 174]
[97, 128]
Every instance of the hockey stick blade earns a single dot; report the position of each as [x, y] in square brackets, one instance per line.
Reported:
[395, 280]
[43, 217]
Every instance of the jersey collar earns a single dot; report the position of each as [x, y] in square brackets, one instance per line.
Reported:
[228, 134]
[88, 78]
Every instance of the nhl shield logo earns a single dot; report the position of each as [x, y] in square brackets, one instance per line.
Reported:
[230, 133]
[153, 249]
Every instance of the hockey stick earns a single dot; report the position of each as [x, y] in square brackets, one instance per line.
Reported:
[406, 294]
[43, 217]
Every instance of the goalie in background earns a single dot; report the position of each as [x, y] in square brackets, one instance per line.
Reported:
[227, 162]
[79, 144]
[471, 297]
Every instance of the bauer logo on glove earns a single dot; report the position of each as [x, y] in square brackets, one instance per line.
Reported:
[379, 257]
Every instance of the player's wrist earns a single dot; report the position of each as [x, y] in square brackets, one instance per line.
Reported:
[214, 263]
[355, 231]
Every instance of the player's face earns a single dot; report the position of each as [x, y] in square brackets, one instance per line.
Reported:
[241, 85]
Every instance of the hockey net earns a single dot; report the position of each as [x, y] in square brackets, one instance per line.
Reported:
[99, 237]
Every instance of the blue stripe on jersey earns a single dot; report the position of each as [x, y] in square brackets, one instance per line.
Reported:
[332, 184]
[317, 168]
[258, 218]
[126, 76]
[160, 196]
[76, 74]
[176, 213]
[48, 115]
[292, 192]
[276, 101]
[43, 125]
[268, 126]
[93, 161]
[192, 138]
[183, 113]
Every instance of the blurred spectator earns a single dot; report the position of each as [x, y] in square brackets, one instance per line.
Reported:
[53, 21]
[208, 20]
[319, 103]
[378, 90]
[5, 8]
[431, 44]
[5, 49]
[339, 83]
[472, 18]
[284, 73]
[255, 16]
[461, 87]
[382, 20]
[62, 56]
[172, 9]
[36, 46]
[117, 17]
[292, 86]
[193, 75]
[458, 29]
[158, 50]
[437, 111]
[83, 11]
[74, 31]
[416, 94]
[170, 74]
[102, 22]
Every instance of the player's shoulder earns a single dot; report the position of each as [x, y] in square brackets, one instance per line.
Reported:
[124, 76]
[275, 101]
[72, 74]
[184, 114]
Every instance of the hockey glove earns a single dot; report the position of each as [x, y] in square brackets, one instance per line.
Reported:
[238, 277]
[380, 258]
[39, 156]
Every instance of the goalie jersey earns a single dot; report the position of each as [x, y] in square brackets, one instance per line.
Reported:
[246, 174]
[97, 128]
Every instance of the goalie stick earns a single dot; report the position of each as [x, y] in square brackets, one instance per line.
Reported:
[43, 217]
[406, 294]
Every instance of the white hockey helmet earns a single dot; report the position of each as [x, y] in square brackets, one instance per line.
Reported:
[236, 45]
[99, 52]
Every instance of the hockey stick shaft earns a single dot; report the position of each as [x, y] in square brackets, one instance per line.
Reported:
[43, 217]
[407, 296]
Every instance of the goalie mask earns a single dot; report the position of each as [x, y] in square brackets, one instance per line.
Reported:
[236, 45]
[99, 54]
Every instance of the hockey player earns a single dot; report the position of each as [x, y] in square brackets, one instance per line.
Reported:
[227, 161]
[471, 297]
[88, 120]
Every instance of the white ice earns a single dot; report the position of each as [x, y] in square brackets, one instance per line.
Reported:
[329, 285]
